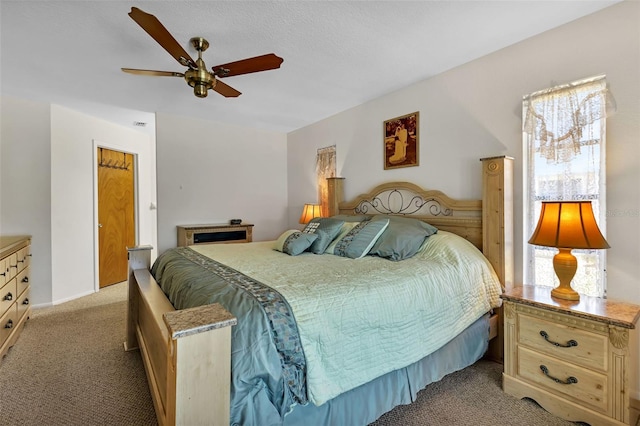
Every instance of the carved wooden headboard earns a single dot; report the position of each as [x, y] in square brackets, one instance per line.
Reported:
[487, 223]
[462, 217]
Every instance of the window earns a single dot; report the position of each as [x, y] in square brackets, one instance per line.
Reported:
[564, 160]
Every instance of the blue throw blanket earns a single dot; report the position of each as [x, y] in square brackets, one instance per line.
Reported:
[265, 343]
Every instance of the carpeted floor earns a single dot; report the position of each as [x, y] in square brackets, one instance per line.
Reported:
[69, 368]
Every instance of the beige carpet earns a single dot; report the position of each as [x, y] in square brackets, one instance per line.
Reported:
[69, 368]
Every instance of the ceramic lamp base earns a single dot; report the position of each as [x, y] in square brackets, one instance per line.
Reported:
[565, 264]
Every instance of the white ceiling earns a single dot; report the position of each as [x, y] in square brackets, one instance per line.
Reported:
[337, 54]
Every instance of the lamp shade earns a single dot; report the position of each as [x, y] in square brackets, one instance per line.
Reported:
[309, 211]
[568, 224]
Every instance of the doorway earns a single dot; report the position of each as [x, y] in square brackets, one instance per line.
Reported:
[116, 214]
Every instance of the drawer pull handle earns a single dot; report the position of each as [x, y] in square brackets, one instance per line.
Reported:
[25, 302]
[571, 380]
[14, 266]
[21, 261]
[569, 344]
[25, 280]
[9, 324]
[9, 296]
[4, 274]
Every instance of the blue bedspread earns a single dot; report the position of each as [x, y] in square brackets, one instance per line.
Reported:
[266, 349]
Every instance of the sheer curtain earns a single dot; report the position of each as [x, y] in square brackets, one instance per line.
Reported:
[564, 136]
[325, 168]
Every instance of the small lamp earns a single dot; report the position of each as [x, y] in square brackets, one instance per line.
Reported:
[309, 211]
[567, 225]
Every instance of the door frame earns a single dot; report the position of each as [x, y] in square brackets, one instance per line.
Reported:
[136, 213]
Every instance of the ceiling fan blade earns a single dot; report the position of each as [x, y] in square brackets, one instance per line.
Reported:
[152, 72]
[226, 90]
[159, 33]
[266, 62]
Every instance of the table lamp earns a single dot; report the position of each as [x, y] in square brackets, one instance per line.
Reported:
[309, 211]
[567, 225]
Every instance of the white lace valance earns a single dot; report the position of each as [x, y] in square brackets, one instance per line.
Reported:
[563, 119]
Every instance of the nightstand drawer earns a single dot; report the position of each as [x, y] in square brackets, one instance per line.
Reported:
[590, 388]
[589, 349]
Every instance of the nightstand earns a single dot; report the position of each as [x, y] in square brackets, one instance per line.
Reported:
[575, 359]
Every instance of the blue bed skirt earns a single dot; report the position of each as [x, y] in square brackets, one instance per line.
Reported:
[366, 403]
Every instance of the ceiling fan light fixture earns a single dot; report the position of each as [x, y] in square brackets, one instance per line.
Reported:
[200, 90]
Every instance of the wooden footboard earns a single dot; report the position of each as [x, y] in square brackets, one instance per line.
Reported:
[186, 353]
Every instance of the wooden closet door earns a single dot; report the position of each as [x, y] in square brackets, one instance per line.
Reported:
[116, 214]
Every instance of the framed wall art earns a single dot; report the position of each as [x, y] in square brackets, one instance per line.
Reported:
[401, 141]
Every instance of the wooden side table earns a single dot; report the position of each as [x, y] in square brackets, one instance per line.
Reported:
[574, 358]
[216, 233]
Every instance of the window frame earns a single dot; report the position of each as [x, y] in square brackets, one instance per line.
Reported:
[530, 218]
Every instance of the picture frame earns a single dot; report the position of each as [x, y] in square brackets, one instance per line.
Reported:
[401, 141]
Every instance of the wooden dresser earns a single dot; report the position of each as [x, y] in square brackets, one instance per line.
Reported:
[15, 258]
[575, 359]
[216, 233]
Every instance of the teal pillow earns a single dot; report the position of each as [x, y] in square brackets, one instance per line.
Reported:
[294, 242]
[402, 238]
[326, 229]
[360, 239]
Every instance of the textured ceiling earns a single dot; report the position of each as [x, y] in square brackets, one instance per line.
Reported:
[337, 54]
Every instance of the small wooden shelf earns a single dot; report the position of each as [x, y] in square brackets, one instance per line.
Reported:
[216, 233]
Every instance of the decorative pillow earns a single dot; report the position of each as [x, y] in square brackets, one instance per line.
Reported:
[357, 242]
[294, 242]
[326, 229]
[402, 238]
[344, 230]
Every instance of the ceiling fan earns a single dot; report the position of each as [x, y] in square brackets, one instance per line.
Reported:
[197, 75]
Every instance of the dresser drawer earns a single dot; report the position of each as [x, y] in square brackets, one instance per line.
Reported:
[22, 258]
[12, 266]
[589, 351]
[23, 303]
[23, 279]
[589, 390]
[7, 322]
[4, 272]
[8, 296]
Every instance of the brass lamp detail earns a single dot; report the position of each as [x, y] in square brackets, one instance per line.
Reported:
[567, 225]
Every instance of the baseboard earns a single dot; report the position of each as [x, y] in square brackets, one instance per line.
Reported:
[74, 297]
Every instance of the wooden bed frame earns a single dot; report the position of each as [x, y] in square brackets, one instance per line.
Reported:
[187, 353]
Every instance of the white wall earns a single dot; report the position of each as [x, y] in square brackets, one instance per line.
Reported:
[73, 215]
[211, 172]
[474, 111]
[25, 190]
[47, 190]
